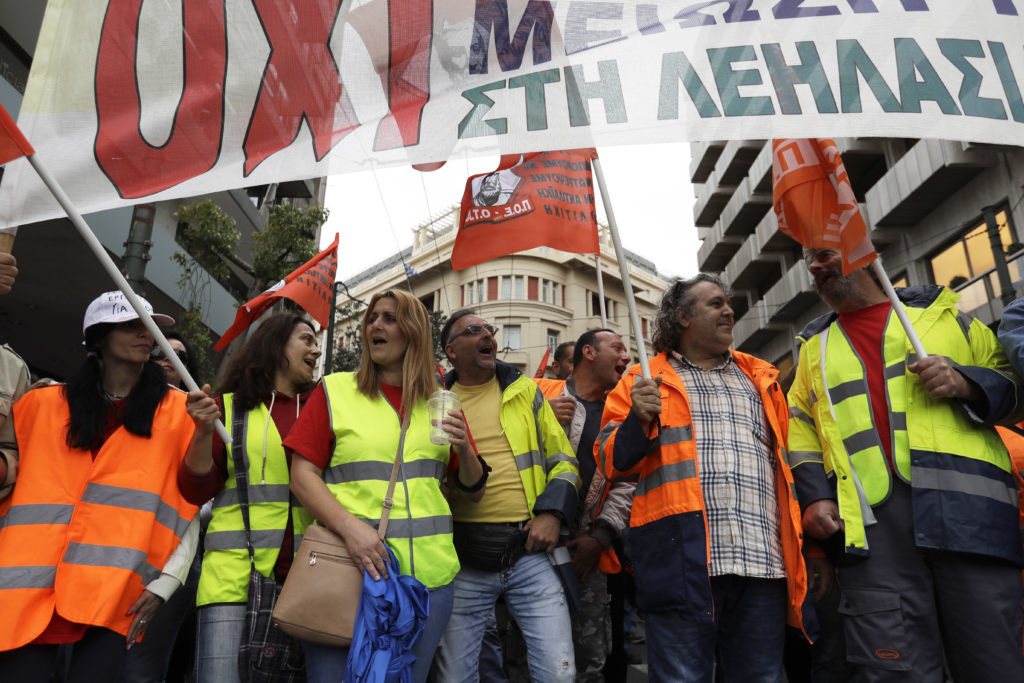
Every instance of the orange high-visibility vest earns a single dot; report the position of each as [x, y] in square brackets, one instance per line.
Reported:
[85, 536]
[669, 482]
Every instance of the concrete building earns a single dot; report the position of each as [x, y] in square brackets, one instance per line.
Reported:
[537, 298]
[924, 202]
[58, 276]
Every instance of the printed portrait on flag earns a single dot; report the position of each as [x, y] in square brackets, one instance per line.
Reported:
[495, 189]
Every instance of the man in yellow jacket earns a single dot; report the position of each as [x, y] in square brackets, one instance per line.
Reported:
[530, 499]
[714, 532]
[900, 472]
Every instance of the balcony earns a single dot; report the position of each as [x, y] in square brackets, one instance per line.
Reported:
[746, 208]
[922, 179]
[792, 295]
[716, 250]
[981, 295]
[737, 156]
[755, 264]
[711, 198]
[703, 156]
[755, 329]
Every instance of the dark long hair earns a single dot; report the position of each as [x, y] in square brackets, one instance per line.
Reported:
[87, 401]
[252, 372]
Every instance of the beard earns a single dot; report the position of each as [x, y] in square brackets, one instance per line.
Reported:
[836, 290]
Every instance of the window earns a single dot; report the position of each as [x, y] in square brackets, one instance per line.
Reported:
[900, 282]
[971, 255]
[519, 286]
[595, 304]
[552, 339]
[480, 291]
[506, 287]
[512, 337]
[531, 288]
[554, 293]
[471, 290]
[544, 291]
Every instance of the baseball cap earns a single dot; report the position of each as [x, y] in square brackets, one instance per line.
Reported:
[114, 307]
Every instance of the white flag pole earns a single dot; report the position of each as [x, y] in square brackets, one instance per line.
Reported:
[600, 289]
[897, 306]
[620, 256]
[122, 284]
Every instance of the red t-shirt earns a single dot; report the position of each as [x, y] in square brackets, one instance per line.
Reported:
[865, 329]
[313, 438]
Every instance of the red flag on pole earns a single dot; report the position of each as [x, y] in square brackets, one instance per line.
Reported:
[309, 286]
[544, 198]
[814, 200]
[13, 144]
[543, 365]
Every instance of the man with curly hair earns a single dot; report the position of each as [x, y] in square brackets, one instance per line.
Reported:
[714, 532]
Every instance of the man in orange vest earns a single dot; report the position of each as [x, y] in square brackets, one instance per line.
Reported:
[714, 532]
[599, 359]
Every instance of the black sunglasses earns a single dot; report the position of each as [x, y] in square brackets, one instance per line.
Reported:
[158, 354]
[474, 330]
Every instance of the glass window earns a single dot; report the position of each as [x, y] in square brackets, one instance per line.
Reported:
[506, 287]
[480, 291]
[544, 291]
[554, 293]
[552, 339]
[512, 337]
[469, 299]
[519, 286]
[971, 255]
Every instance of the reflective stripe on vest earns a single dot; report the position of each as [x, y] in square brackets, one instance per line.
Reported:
[225, 572]
[669, 472]
[366, 435]
[119, 496]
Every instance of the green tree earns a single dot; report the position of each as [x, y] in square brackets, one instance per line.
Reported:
[287, 243]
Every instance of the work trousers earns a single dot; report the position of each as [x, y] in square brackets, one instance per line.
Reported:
[904, 607]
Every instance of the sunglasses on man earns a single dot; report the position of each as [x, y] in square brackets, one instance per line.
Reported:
[158, 354]
[475, 330]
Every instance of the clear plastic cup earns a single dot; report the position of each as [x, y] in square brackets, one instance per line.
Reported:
[438, 405]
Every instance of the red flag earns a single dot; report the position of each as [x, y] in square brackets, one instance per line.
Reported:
[814, 200]
[543, 365]
[13, 144]
[544, 198]
[310, 286]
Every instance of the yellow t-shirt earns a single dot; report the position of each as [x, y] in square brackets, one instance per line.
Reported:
[504, 498]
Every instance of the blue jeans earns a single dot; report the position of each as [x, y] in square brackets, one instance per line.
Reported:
[326, 663]
[747, 631]
[218, 637]
[535, 599]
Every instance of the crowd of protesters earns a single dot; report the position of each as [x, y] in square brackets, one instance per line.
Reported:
[857, 519]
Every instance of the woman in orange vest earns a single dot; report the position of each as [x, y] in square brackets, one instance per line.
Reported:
[95, 535]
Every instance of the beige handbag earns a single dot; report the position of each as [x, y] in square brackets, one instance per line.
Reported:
[320, 597]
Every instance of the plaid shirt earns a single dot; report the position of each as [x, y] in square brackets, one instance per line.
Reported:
[737, 469]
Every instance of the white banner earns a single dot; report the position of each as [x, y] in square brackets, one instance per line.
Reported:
[133, 101]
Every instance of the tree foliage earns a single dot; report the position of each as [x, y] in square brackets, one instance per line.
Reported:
[208, 235]
[287, 243]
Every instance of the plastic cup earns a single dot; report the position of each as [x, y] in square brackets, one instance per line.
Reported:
[438, 405]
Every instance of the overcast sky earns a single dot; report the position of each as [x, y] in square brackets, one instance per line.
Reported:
[652, 198]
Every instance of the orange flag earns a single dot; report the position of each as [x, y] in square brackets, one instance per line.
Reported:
[13, 144]
[310, 286]
[543, 365]
[544, 198]
[814, 200]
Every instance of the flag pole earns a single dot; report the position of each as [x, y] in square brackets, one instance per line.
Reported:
[897, 306]
[620, 256]
[108, 264]
[600, 284]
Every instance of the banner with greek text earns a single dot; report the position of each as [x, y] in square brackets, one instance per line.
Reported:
[134, 101]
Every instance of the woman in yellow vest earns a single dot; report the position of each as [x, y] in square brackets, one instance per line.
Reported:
[265, 388]
[348, 437]
[95, 535]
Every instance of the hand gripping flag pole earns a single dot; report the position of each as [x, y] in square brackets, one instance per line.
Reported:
[111, 268]
[620, 256]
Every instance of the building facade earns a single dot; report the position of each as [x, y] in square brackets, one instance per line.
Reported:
[928, 205]
[537, 298]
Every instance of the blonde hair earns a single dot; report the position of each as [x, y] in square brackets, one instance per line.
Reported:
[418, 367]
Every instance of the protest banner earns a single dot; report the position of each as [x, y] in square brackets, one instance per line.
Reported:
[133, 101]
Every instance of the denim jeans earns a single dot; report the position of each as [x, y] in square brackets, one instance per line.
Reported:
[326, 663]
[218, 637]
[535, 599]
[747, 631]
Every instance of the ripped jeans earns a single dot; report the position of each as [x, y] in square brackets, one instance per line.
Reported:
[535, 599]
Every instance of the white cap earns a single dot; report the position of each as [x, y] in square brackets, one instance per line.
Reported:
[114, 307]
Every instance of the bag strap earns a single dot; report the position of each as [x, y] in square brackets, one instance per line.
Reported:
[241, 472]
[389, 502]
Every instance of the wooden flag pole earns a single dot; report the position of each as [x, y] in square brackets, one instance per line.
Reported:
[108, 264]
[897, 306]
[620, 256]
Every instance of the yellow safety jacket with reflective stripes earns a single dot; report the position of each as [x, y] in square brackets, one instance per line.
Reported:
[667, 537]
[366, 436]
[547, 466]
[225, 572]
[964, 494]
[84, 536]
